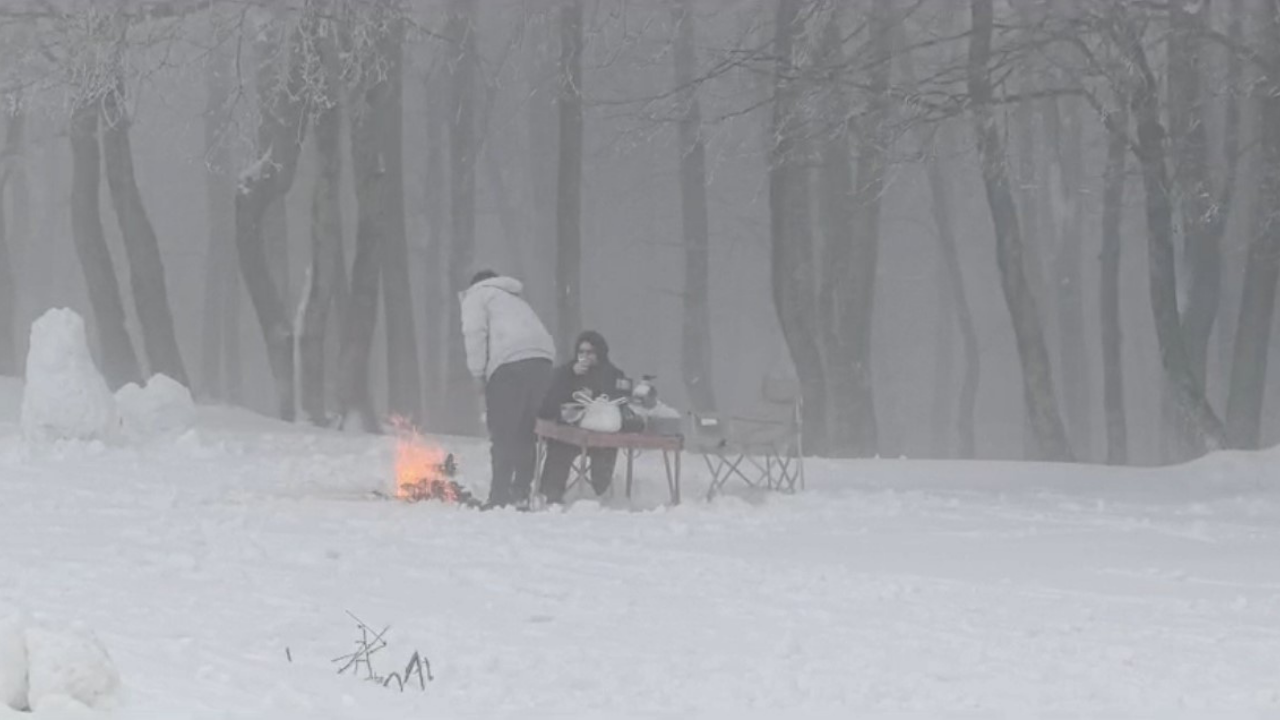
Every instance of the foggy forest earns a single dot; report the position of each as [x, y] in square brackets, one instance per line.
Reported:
[1041, 229]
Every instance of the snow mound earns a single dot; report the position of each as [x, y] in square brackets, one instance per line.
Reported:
[66, 666]
[61, 674]
[65, 396]
[13, 660]
[163, 408]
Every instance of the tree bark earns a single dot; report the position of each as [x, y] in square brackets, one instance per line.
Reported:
[953, 286]
[438, 324]
[221, 287]
[1203, 209]
[791, 256]
[146, 268]
[940, 208]
[1257, 306]
[542, 150]
[1037, 377]
[1189, 400]
[1109, 288]
[850, 200]
[361, 315]
[569, 177]
[386, 104]
[326, 274]
[10, 156]
[462, 417]
[1065, 138]
[696, 345]
[280, 133]
[119, 363]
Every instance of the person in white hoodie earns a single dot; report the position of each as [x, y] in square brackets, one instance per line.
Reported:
[510, 354]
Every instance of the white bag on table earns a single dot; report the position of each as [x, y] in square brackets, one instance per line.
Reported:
[600, 414]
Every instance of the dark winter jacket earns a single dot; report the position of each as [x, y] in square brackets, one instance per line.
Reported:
[603, 379]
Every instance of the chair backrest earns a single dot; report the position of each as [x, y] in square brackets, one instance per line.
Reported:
[780, 389]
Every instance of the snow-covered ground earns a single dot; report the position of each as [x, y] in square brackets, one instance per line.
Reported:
[217, 569]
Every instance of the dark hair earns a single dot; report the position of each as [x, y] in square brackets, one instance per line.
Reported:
[482, 276]
[595, 340]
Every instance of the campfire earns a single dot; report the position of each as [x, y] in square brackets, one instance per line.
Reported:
[424, 471]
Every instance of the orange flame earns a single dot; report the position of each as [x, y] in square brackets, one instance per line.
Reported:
[419, 474]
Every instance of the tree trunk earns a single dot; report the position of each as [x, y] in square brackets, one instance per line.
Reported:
[462, 418]
[10, 157]
[146, 268]
[1028, 208]
[1203, 211]
[1109, 288]
[965, 418]
[851, 215]
[569, 177]
[1189, 400]
[386, 105]
[791, 254]
[438, 324]
[1037, 377]
[542, 150]
[953, 285]
[696, 337]
[221, 289]
[1257, 306]
[326, 274]
[119, 363]
[280, 134]
[1065, 138]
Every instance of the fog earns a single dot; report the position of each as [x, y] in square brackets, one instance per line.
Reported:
[783, 101]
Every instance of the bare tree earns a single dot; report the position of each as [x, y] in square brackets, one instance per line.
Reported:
[1257, 306]
[438, 320]
[1189, 400]
[326, 275]
[281, 128]
[146, 269]
[1037, 378]
[119, 363]
[10, 157]
[569, 176]
[386, 102]
[464, 58]
[220, 363]
[696, 328]
[791, 242]
[1113, 182]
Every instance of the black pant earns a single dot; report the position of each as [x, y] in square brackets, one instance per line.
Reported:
[555, 469]
[511, 398]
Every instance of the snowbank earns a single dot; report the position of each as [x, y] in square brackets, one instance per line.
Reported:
[163, 408]
[65, 396]
[56, 673]
[13, 660]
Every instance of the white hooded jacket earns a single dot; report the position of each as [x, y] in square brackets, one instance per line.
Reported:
[499, 327]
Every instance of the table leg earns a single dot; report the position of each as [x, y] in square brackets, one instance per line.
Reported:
[631, 453]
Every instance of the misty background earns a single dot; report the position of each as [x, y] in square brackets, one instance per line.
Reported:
[1019, 229]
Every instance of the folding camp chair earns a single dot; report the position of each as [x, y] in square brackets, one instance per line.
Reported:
[763, 448]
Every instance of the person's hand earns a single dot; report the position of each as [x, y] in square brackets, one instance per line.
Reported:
[581, 367]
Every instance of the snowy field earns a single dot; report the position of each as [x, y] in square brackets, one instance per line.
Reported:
[216, 567]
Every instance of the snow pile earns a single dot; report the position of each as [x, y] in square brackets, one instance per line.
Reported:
[55, 671]
[68, 665]
[65, 396]
[163, 408]
[13, 660]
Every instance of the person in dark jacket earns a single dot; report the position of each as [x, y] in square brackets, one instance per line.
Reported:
[590, 370]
